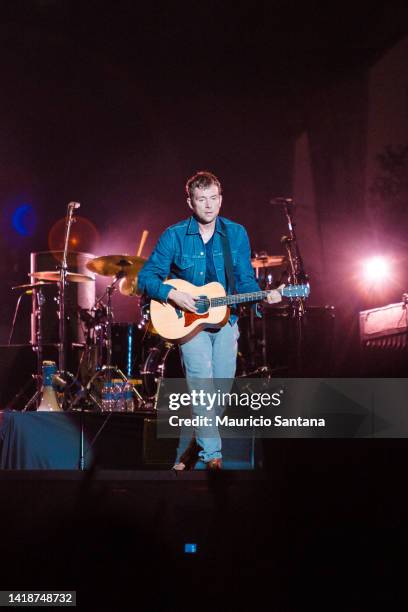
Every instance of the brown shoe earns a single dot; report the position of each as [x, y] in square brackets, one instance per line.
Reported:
[190, 456]
[214, 464]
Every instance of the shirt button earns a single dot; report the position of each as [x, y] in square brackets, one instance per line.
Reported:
[201, 272]
[201, 253]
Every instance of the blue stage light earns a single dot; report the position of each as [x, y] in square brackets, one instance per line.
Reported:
[190, 548]
[24, 220]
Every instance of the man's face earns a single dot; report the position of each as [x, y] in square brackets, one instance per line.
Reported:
[205, 203]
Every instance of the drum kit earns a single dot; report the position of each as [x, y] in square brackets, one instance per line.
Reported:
[125, 359]
[89, 385]
[100, 382]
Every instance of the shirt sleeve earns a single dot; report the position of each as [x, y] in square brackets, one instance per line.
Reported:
[157, 269]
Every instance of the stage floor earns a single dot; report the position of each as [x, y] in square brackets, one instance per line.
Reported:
[148, 475]
[322, 513]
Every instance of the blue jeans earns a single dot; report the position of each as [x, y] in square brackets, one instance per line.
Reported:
[208, 355]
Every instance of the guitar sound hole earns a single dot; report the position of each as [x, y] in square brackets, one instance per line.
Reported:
[203, 305]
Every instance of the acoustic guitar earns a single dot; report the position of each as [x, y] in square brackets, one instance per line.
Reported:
[173, 323]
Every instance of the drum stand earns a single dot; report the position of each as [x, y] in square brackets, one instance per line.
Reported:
[105, 371]
[39, 301]
[264, 370]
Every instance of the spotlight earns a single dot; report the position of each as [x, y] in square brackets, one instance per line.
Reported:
[24, 220]
[376, 270]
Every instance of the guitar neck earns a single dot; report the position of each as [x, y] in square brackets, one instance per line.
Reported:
[240, 298]
[292, 291]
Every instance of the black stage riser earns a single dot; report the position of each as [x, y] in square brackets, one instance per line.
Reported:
[41, 440]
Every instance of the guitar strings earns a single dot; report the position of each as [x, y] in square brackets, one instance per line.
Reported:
[202, 300]
[254, 297]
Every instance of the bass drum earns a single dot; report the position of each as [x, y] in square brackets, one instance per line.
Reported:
[163, 361]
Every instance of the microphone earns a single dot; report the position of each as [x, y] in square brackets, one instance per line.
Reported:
[281, 201]
[73, 205]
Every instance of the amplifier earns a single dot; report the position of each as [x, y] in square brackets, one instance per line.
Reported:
[271, 341]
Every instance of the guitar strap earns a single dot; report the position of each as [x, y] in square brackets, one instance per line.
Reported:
[229, 267]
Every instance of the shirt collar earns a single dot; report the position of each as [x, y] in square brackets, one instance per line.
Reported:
[193, 226]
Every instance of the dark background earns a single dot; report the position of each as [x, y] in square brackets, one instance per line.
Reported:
[115, 104]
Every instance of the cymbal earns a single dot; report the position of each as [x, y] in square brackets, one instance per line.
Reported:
[268, 261]
[32, 285]
[110, 265]
[54, 275]
[128, 286]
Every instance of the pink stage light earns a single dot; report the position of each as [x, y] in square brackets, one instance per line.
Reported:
[376, 270]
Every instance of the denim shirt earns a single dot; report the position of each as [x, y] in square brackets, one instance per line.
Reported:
[180, 253]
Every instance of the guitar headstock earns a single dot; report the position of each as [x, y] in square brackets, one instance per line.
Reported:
[296, 291]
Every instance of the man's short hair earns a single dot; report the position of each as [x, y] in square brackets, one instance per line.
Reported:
[201, 180]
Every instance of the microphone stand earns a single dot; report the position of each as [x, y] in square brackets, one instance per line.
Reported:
[297, 268]
[106, 369]
[297, 276]
[61, 313]
[62, 286]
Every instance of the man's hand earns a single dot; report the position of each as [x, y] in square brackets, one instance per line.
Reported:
[183, 300]
[274, 296]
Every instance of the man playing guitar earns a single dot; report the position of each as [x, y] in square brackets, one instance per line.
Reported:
[193, 250]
